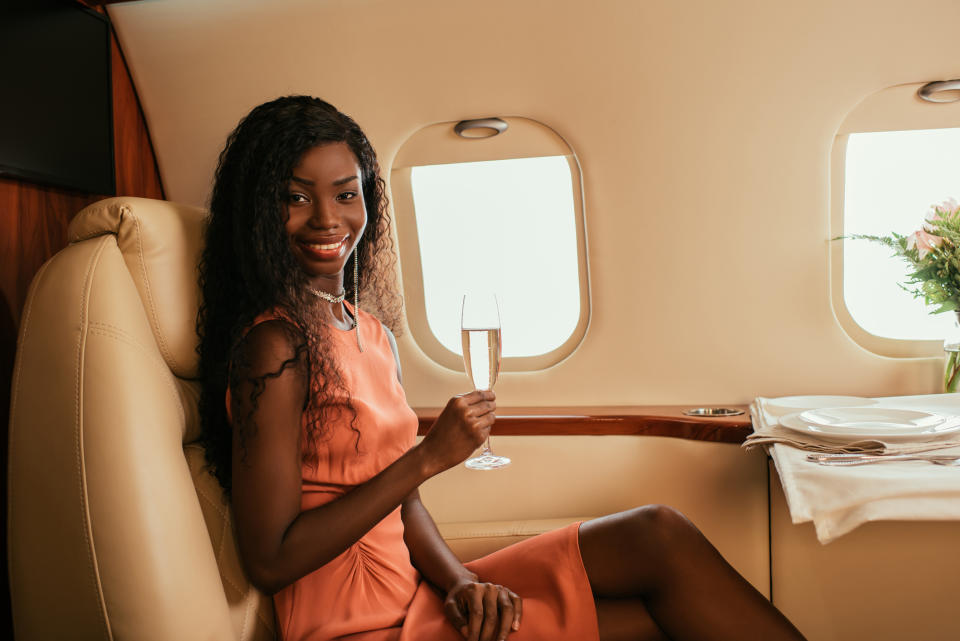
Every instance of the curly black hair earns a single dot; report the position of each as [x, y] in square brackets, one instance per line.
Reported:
[247, 267]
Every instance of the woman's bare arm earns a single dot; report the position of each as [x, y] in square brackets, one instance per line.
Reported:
[278, 543]
[477, 609]
[428, 551]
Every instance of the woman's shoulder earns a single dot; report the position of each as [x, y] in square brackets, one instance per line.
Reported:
[392, 341]
[374, 331]
[274, 314]
[375, 325]
[272, 339]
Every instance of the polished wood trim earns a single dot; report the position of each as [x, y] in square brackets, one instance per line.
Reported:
[646, 420]
[34, 217]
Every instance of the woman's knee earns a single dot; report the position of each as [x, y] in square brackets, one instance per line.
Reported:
[658, 525]
[644, 534]
[632, 553]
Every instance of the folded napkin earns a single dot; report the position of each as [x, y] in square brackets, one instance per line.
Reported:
[768, 431]
[840, 499]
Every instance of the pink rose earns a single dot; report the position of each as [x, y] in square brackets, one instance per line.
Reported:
[949, 207]
[923, 242]
[946, 209]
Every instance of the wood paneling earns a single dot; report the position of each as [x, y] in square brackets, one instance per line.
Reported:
[33, 218]
[33, 227]
[648, 420]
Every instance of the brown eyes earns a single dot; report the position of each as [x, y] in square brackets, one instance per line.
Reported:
[298, 198]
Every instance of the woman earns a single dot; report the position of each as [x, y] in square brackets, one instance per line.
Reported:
[321, 463]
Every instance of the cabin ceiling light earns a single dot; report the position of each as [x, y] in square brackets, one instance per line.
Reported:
[940, 91]
[480, 128]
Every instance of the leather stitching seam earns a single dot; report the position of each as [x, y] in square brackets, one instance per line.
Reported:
[161, 340]
[78, 436]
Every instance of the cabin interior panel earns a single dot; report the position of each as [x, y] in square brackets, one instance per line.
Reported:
[704, 132]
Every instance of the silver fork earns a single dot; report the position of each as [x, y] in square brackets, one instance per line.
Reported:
[855, 459]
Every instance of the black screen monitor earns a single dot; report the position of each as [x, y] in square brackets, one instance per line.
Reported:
[56, 124]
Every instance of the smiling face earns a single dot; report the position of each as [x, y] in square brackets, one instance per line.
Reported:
[326, 214]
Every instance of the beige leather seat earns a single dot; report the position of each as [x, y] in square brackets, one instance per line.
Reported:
[116, 530]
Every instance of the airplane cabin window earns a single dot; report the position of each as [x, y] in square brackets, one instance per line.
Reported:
[892, 178]
[894, 157]
[501, 213]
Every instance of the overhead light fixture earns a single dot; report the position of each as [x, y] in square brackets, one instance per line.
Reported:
[940, 91]
[480, 128]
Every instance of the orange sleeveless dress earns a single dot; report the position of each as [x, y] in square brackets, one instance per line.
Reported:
[372, 592]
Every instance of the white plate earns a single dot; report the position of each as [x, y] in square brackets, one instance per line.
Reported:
[870, 418]
[790, 404]
[876, 429]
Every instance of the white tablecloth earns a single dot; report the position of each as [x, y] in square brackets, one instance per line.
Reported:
[838, 499]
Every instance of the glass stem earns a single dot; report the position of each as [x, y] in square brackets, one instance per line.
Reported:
[486, 447]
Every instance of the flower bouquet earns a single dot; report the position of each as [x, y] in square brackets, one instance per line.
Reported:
[933, 252]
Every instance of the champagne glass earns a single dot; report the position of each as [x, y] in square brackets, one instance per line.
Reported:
[480, 334]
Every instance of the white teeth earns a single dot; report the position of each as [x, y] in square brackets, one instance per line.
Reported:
[324, 247]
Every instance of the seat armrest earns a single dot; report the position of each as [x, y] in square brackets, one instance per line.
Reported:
[471, 540]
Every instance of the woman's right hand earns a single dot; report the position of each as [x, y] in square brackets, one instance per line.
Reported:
[461, 428]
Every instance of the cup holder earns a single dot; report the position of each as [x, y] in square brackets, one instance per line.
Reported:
[713, 411]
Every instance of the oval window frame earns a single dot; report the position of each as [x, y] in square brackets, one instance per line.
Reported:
[896, 108]
[436, 144]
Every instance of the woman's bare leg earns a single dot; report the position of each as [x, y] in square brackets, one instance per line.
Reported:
[627, 620]
[656, 554]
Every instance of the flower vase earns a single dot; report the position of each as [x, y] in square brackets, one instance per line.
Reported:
[951, 357]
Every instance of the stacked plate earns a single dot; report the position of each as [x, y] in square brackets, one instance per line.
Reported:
[856, 422]
[791, 404]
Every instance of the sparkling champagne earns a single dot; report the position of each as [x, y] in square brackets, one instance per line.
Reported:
[481, 355]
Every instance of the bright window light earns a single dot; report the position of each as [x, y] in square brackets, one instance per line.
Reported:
[506, 226]
[891, 180]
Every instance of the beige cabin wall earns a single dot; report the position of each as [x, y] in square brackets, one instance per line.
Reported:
[704, 130]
